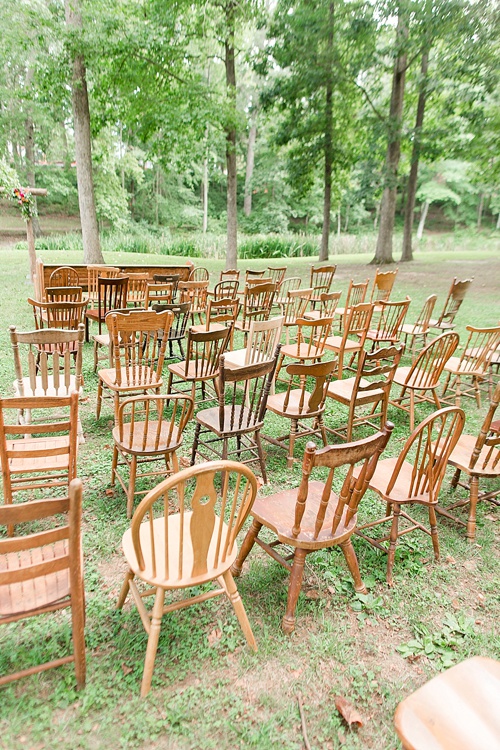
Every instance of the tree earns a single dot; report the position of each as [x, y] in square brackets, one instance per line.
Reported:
[230, 128]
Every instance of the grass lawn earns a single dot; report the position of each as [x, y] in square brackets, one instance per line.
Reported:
[209, 689]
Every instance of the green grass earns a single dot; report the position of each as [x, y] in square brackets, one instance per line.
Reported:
[222, 695]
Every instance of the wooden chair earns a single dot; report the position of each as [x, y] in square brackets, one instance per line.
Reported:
[64, 276]
[424, 374]
[138, 343]
[456, 296]
[352, 340]
[294, 308]
[194, 292]
[298, 404]
[287, 285]
[94, 272]
[41, 571]
[225, 289]
[39, 280]
[328, 302]
[159, 294]
[414, 477]
[169, 278]
[382, 285]
[258, 281]
[389, 319]
[64, 294]
[221, 313]
[230, 274]
[456, 710]
[33, 457]
[314, 517]
[112, 295]
[177, 331]
[370, 386]
[249, 275]
[310, 344]
[189, 548]
[473, 363]
[263, 338]
[67, 316]
[198, 273]
[479, 458]
[277, 274]
[156, 436]
[356, 295]
[257, 304]
[321, 281]
[201, 366]
[420, 328]
[137, 289]
[235, 418]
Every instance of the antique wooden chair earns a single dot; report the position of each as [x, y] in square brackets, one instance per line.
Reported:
[257, 281]
[294, 309]
[263, 338]
[314, 517]
[414, 477]
[229, 274]
[137, 289]
[328, 302]
[41, 571]
[148, 431]
[201, 366]
[225, 289]
[473, 363]
[221, 313]
[456, 710]
[352, 340]
[194, 546]
[424, 374]
[198, 273]
[63, 315]
[33, 455]
[321, 281]
[479, 458]
[64, 276]
[420, 328]
[310, 344]
[387, 321]
[257, 304]
[356, 295]
[94, 272]
[287, 285]
[159, 294]
[138, 339]
[277, 274]
[177, 332]
[370, 386]
[382, 285]
[238, 416]
[456, 296]
[196, 293]
[298, 404]
[64, 294]
[169, 278]
[112, 294]
[250, 274]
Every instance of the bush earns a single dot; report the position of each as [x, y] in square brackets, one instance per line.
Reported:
[277, 247]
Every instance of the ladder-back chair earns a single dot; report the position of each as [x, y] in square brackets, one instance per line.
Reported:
[456, 296]
[172, 551]
[64, 276]
[257, 304]
[382, 285]
[414, 477]
[321, 280]
[420, 328]
[313, 516]
[387, 321]
[352, 340]
[201, 366]
[473, 363]
[277, 274]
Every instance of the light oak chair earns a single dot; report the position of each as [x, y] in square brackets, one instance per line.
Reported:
[313, 516]
[382, 285]
[94, 272]
[159, 294]
[387, 321]
[263, 338]
[294, 309]
[64, 276]
[328, 302]
[456, 295]
[196, 293]
[230, 273]
[64, 294]
[276, 274]
[420, 328]
[137, 289]
[473, 363]
[356, 295]
[168, 551]
[321, 280]
[287, 285]
[58, 314]
[352, 339]
[41, 571]
[257, 303]
[198, 273]
[312, 336]
[226, 289]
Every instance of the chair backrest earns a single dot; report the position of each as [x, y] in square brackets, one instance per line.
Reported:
[261, 280]
[224, 310]
[158, 294]
[328, 303]
[239, 412]
[257, 302]
[479, 349]
[230, 273]
[312, 336]
[226, 288]
[421, 325]
[151, 425]
[454, 299]
[376, 372]
[194, 292]
[356, 292]
[322, 278]
[64, 293]
[112, 294]
[488, 439]
[427, 450]
[39, 280]
[313, 392]
[357, 322]
[263, 338]
[389, 319]
[169, 278]
[287, 285]
[428, 367]
[139, 341]
[64, 276]
[249, 274]
[364, 453]
[54, 361]
[214, 499]
[198, 273]
[58, 414]
[204, 349]
[295, 305]
[137, 289]
[382, 285]
[277, 274]
[180, 311]
[66, 315]
[94, 271]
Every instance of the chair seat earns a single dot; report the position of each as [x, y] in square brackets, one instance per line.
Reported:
[443, 326]
[401, 378]
[303, 351]
[95, 314]
[412, 330]
[461, 455]
[102, 339]
[238, 424]
[202, 327]
[241, 326]
[457, 710]
[313, 315]
[138, 378]
[400, 492]
[334, 344]
[374, 335]
[456, 367]
[236, 358]
[174, 578]
[194, 372]
[277, 512]
[276, 404]
[341, 390]
[51, 390]
[20, 465]
[151, 443]
[25, 596]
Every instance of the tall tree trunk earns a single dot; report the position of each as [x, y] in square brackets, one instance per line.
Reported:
[30, 166]
[407, 253]
[83, 150]
[327, 197]
[480, 211]
[252, 136]
[383, 253]
[232, 219]
[421, 223]
[498, 222]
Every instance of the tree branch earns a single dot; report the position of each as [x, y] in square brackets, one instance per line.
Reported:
[368, 99]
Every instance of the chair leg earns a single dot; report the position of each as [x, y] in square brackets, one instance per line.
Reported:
[412, 410]
[78, 636]
[261, 456]
[278, 368]
[352, 563]
[477, 392]
[154, 635]
[124, 590]
[99, 399]
[456, 477]
[235, 599]
[396, 510]
[114, 464]
[247, 545]
[195, 443]
[288, 622]
[96, 357]
[116, 404]
[321, 425]
[131, 486]
[291, 443]
[471, 521]
[434, 531]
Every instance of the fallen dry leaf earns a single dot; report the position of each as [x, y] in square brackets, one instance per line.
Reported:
[125, 669]
[350, 714]
[215, 636]
[313, 594]
[490, 518]
[184, 462]
[110, 493]
[455, 604]
[450, 560]
[341, 737]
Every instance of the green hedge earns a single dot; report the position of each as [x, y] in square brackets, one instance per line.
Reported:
[277, 247]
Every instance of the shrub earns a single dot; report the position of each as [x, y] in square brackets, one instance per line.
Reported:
[277, 247]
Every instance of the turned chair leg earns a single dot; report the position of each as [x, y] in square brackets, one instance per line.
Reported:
[434, 531]
[247, 545]
[261, 456]
[471, 521]
[291, 442]
[352, 563]
[288, 622]
[235, 599]
[396, 510]
[456, 477]
[154, 635]
[196, 442]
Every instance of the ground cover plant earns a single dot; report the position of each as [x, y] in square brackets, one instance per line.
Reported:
[209, 689]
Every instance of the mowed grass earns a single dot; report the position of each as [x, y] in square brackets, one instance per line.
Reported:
[209, 689]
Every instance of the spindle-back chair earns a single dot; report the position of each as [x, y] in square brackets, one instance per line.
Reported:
[277, 274]
[169, 278]
[198, 273]
[263, 338]
[158, 294]
[321, 280]
[352, 340]
[94, 272]
[64, 294]
[257, 304]
[294, 308]
[287, 285]
[387, 321]
[310, 344]
[196, 293]
[225, 289]
[456, 296]
[328, 302]
[137, 289]
[473, 363]
[62, 315]
[382, 285]
[64, 276]
[356, 295]
[420, 328]
[201, 366]
[112, 294]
